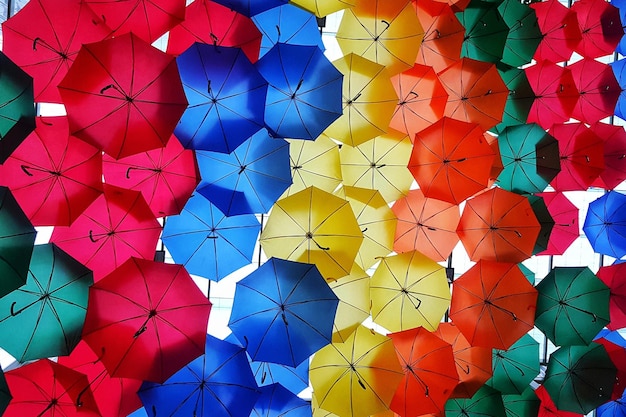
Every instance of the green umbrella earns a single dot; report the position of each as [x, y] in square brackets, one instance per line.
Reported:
[485, 402]
[528, 273]
[17, 237]
[17, 106]
[515, 368]
[546, 222]
[580, 378]
[573, 306]
[485, 31]
[5, 394]
[525, 404]
[524, 33]
[530, 158]
[45, 317]
[520, 99]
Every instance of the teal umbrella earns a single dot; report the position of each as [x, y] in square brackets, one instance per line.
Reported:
[546, 221]
[515, 368]
[520, 99]
[525, 404]
[524, 34]
[485, 402]
[485, 31]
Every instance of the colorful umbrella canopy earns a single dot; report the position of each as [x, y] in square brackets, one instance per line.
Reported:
[560, 30]
[321, 8]
[600, 26]
[525, 404]
[277, 401]
[547, 407]
[598, 90]
[615, 408]
[611, 277]
[485, 31]
[617, 354]
[614, 148]
[516, 367]
[605, 225]
[618, 69]
[565, 217]
[520, 100]
[353, 292]
[486, 402]
[545, 220]
[524, 35]
[251, 7]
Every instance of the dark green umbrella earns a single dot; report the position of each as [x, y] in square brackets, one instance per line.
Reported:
[485, 402]
[17, 237]
[580, 378]
[5, 394]
[520, 99]
[525, 404]
[45, 317]
[573, 306]
[524, 33]
[17, 106]
[546, 222]
[515, 368]
[485, 31]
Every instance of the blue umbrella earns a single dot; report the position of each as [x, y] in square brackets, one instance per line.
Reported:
[248, 180]
[616, 408]
[283, 312]
[605, 224]
[277, 401]
[304, 93]
[226, 96]
[251, 7]
[621, 5]
[207, 242]
[619, 69]
[217, 384]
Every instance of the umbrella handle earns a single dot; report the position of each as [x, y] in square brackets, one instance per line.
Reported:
[91, 236]
[26, 170]
[79, 403]
[13, 313]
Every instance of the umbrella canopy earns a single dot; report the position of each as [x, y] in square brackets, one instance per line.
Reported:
[486, 402]
[520, 99]
[547, 407]
[218, 383]
[573, 305]
[321, 8]
[545, 220]
[358, 377]
[485, 31]
[202, 237]
[611, 276]
[618, 69]
[226, 97]
[5, 395]
[617, 354]
[525, 404]
[565, 216]
[498, 225]
[600, 26]
[598, 90]
[493, 304]
[249, 179]
[559, 29]
[605, 224]
[615, 408]
[614, 148]
[353, 292]
[524, 35]
[251, 7]
[304, 91]
[516, 367]
[149, 335]
[44, 38]
[277, 401]
[283, 312]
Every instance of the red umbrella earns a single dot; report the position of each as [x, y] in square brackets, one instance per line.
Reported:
[559, 27]
[614, 137]
[613, 277]
[598, 89]
[116, 226]
[44, 37]
[600, 25]
[582, 156]
[158, 324]
[123, 96]
[166, 176]
[53, 176]
[547, 407]
[209, 22]
[565, 215]
[617, 354]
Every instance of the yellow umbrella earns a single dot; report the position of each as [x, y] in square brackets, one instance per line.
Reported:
[369, 101]
[353, 292]
[316, 411]
[409, 290]
[387, 32]
[315, 227]
[314, 163]
[377, 222]
[379, 164]
[356, 378]
[321, 8]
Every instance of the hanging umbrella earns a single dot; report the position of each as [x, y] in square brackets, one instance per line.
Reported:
[565, 216]
[493, 304]
[358, 377]
[498, 225]
[547, 407]
[226, 98]
[133, 91]
[218, 383]
[618, 69]
[304, 91]
[248, 180]
[516, 367]
[615, 408]
[353, 292]
[617, 354]
[369, 101]
[44, 38]
[486, 402]
[524, 35]
[485, 31]
[149, 335]
[525, 404]
[519, 100]
[379, 164]
[316, 227]
[605, 224]
[429, 372]
[322, 8]
[209, 22]
[17, 107]
[251, 7]
[600, 26]
[5, 395]
[546, 221]
[427, 225]
[451, 160]
[209, 243]
[277, 401]
[572, 307]
[611, 277]
[598, 90]
[614, 136]
[409, 290]
[559, 29]
[283, 312]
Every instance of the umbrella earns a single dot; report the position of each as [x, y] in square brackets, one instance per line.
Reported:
[207, 242]
[618, 69]
[379, 164]
[524, 35]
[520, 99]
[429, 372]
[547, 407]
[5, 395]
[485, 402]
[559, 29]
[516, 367]
[476, 92]
[427, 225]
[226, 97]
[44, 38]
[572, 307]
[17, 107]
[248, 180]
[133, 91]
[605, 225]
[277, 401]
[369, 101]
[579, 378]
[493, 304]
[565, 216]
[322, 8]
[316, 227]
[117, 225]
[485, 31]
[209, 22]
[451, 160]
[283, 312]
[611, 277]
[615, 408]
[600, 26]
[617, 354]
[525, 404]
[358, 377]
[149, 335]
[546, 221]
[251, 7]
[353, 292]
[498, 225]
[218, 383]
[614, 150]
[304, 91]
[598, 90]
[53, 176]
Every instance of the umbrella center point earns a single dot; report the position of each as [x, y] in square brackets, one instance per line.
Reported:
[295, 167]
[242, 168]
[54, 401]
[152, 313]
[518, 159]
[128, 98]
[493, 228]
[309, 235]
[464, 98]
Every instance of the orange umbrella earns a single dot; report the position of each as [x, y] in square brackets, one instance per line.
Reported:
[451, 160]
[477, 92]
[426, 224]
